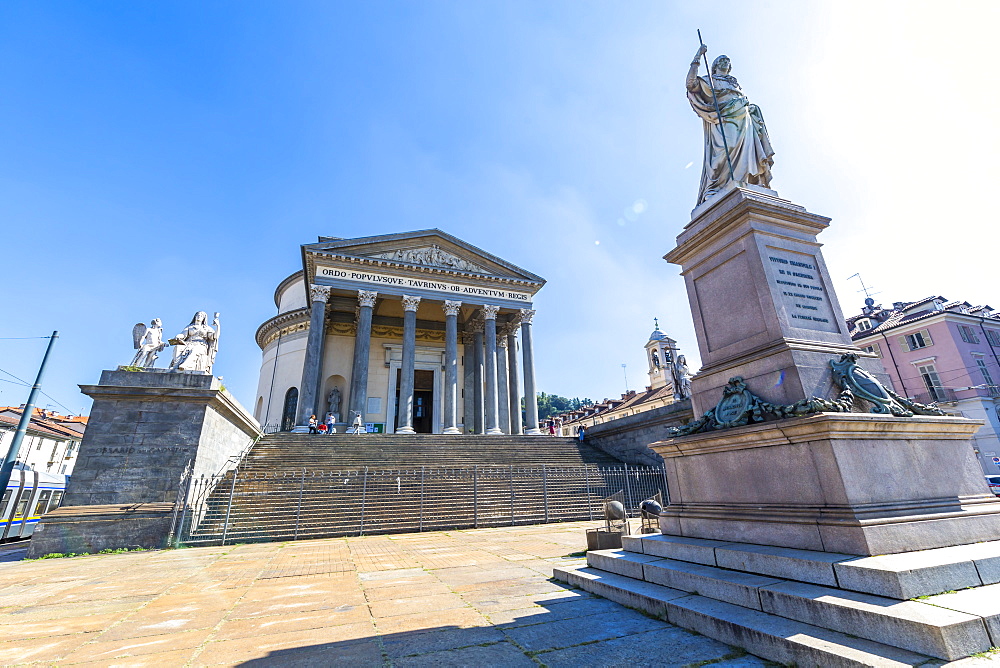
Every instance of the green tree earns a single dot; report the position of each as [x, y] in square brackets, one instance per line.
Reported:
[553, 404]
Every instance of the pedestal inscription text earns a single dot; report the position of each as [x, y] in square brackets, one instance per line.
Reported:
[802, 292]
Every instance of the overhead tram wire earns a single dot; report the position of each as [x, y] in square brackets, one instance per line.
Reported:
[69, 411]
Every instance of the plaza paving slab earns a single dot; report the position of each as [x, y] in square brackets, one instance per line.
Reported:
[480, 597]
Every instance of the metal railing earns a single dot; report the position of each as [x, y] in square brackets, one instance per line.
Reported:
[936, 395]
[258, 506]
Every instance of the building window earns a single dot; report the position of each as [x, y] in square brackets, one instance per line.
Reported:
[981, 363]
[993, 337]
[932, 381]
[864, 324]
[874, 349]
[967, 334]
[920, 339]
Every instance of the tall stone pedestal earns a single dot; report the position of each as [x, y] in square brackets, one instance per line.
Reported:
[850, 483]
[145, 428]
[763, 303]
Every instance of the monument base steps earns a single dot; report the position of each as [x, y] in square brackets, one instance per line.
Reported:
[809, 608]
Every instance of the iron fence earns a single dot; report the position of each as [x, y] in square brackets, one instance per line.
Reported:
[256, 506]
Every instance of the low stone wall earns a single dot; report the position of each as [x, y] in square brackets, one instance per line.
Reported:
[628, 438]
[145, 428]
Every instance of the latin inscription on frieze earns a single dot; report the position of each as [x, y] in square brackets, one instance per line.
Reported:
[376, 280]
[800, 285]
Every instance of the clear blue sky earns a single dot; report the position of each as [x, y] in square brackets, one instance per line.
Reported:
[162, 158]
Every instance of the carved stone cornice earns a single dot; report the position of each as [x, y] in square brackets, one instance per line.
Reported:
[526, 315]
[282, 324]
[410, 303]
[367, 298]
[319, 293]
[490, 312]
[451, 307]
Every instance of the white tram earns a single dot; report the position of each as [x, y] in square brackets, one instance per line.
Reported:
[29, 495]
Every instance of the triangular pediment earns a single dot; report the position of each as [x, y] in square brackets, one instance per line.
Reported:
[432, 256]
[427, 249]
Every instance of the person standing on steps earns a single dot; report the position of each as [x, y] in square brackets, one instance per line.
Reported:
[581, 431]
[330, 421]
[312, 425]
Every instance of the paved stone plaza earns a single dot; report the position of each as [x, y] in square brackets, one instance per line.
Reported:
[478, 597]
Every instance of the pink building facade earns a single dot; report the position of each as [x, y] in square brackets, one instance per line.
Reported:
[941, 351]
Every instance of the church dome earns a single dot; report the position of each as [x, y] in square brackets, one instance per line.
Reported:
[657, 335]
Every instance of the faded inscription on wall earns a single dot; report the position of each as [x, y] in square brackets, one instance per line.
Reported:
[800, 285]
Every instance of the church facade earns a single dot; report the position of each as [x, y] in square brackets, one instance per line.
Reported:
[418, 332]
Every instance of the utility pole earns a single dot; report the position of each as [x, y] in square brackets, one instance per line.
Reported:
[22, 426]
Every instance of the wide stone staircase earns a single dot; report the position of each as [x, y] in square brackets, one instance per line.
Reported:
[286, 451]
[295, 486]
[807, 608]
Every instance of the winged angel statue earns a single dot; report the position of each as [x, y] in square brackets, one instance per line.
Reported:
[148, 342]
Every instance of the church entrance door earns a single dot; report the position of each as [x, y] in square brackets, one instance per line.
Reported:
[423, 401]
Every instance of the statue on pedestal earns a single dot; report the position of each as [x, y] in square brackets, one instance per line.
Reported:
[196, 346]
[724, 108]
[334, 401]
[148, 342]
[682, 379]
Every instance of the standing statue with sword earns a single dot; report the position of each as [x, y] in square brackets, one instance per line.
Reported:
[737, 148]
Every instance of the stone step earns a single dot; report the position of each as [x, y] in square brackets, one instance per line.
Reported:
[772, 637]
[900, 576]
[913, 625]
[980, 601]
[730, 586]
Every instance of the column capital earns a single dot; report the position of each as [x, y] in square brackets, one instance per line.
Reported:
[319, 293]
[451, 307]
[510, 328]
[526, 315]
[476, 326]
[490, 311]
[410, 303]
[502, 339]
[367, 298]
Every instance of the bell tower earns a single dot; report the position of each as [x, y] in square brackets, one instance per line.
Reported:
[660, 351]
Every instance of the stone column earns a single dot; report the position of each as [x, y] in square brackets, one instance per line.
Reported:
[451, 309]
[477, 381]
[362, 342]
[490, 326]
[503, 403]
[530, 396]
[318, 296]
[514, 390]
[405, 418]
[468, 380]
